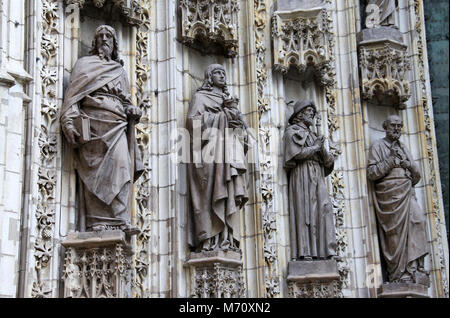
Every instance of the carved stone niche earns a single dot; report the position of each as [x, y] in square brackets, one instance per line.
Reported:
[302, 39]
[97, 265]
[313, 279]
[384, 66]
[210, 26]
[217, 274]
[404, 290]
[131, 10]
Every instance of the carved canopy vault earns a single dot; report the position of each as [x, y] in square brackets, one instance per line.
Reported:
[210, 26]
[384, 65]
[303, 39]
[130, 9]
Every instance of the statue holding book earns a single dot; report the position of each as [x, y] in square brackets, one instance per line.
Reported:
[98, 119]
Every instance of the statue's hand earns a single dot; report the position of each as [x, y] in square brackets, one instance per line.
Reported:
[319, 143]
[72, 135]
[405, 164]
[134, 113]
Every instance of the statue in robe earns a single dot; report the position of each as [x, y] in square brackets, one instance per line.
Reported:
[217, 174]
[307, 161]
[98, 119]
[401, 222]
[380, 13]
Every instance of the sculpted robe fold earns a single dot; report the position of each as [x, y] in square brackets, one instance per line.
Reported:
[99, 94]
[311, 216]
[218, 187]
[400, 219]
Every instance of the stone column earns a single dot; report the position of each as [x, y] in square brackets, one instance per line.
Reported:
[217, 274]
[97, 265]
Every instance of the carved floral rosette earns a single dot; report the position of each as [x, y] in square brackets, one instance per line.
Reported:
[212, 22]
[302, 39]
[384, 66]
[102, 271]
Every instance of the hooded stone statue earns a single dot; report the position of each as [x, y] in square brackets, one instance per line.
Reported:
[307, 163]
[95, 119]
[401, 222]
[218, 185]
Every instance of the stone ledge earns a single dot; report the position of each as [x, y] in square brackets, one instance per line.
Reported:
[404, 290]
[230, 258]
[380, 34]
[312, 271]
[95, 239]
[6, 79]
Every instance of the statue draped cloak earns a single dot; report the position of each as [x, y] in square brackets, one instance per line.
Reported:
[99, 91]
[401, 222]
[312, 229]
[218, 188]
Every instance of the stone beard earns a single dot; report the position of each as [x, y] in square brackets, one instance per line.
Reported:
[307, 162]
[218, 190]
[401, 222]
[98, 120]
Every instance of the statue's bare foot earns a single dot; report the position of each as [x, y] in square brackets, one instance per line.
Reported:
[225, 245]
[99, 228]
[205, 245]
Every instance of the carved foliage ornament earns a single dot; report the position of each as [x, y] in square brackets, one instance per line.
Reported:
[213, 23]
[384, 70]
[315, 290]
[436, 207]
[219, 281]
[130, 9]
[143, 131]
[304, 39]
[102, 272]
[47, 140]
[272, 281]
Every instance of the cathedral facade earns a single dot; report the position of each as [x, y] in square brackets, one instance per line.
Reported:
[361, 65]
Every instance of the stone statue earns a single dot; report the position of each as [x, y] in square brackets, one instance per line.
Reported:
[98, 120]
[308, 162]
[218, 188]
[380, 13]
[401, 222]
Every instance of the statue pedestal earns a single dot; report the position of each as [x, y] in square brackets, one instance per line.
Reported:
[216, 274]
[97, 265]
[404, 290]
[313, 279]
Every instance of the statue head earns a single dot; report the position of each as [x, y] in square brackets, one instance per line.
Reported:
[215, 76]
[304, 111]
[105, 44]
[393, 126]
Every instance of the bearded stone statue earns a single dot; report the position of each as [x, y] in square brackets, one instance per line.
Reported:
[401, 222]
[98, 119]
